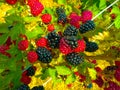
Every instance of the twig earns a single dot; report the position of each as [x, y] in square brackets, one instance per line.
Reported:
[105, 9]
[110, 26]
[47, 81]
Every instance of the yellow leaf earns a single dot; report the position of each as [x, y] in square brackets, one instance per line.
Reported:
[92, 72]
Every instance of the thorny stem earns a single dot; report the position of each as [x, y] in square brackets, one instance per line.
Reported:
[47, 81]
[110, 26]
[105, 9]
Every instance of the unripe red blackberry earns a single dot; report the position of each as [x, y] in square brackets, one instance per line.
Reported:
[23, 45]
[46, 18]
[32, 56]
[12, 2]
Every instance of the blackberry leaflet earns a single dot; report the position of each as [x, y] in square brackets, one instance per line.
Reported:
[23, 87]
[89, 25]
[71, 41]
[38, 88]
[74, 58]
[31, 71]
[91, 46]
[44, 55]
[53, 40]
[70, 31]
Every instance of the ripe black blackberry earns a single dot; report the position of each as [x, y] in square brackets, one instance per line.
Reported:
[74, 58]
[53, 39]
[59, 11]
[71, 41]
[91, 46]
[44, 55]
[89, 25]
[111, 68]
[62, 18]
[31, 71]
[23, 87]
[38, 88]
[70, 31]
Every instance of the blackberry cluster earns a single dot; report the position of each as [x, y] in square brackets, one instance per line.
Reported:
[74, 58]
[62, 18]
[91, 46]
[24, 87]
[70, 31]
[71, 41]
[30, 71]
[89, 25]
[38, 88]
[44, 55]
[53, 39]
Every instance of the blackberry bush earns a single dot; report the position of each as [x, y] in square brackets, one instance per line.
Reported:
[70, 31]
[91, 46]
[53, 40]
[71, 41]
[23, 87]
[44, 55]
[74, 58]
[89, 25]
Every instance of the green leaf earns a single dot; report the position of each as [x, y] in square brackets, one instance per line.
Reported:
[4, 28]
[115, 10]
[102, 4]
[34, 33]
[61, 1]
[71, 78]
[117, 22]
[30, 19]
[52, 73]
[83, 67]
[13, 18]
[3, 38]
[63, 70]
[17, 29]
[45, 73]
